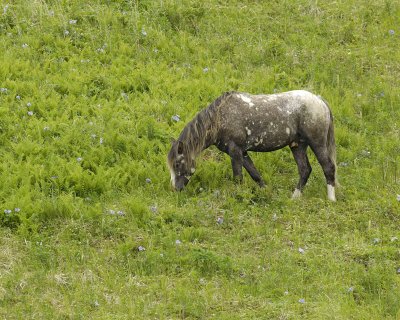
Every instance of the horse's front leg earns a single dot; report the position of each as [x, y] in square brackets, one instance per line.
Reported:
[236, 155]
[251, 169]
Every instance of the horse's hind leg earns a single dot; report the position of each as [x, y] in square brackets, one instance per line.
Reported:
[251, 169]
[329, 168]
[303, 166]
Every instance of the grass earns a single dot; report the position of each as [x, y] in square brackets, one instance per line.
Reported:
[89, 227]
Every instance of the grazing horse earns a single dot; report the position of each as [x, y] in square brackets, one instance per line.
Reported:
[239, 122]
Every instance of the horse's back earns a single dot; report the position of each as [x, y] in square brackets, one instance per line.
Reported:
[294, 104]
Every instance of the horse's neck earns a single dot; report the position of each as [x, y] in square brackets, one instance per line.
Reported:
[208, 141]
[208, 138]
[211, 131]
[203, 144]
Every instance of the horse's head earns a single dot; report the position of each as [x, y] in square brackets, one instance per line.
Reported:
[181, 165]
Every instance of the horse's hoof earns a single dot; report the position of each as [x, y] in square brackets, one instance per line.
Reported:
[296, 194]
[331, 193]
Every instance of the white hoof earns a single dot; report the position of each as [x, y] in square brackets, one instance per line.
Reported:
[331, 193]
[296, 194]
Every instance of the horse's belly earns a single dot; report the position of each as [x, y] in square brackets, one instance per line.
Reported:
[260, 145]
[270, 138]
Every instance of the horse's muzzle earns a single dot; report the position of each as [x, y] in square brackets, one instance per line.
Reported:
[180, 183]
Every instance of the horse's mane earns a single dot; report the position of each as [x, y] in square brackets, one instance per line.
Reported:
[202, 128]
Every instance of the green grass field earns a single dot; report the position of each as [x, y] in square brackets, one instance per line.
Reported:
[89, 225]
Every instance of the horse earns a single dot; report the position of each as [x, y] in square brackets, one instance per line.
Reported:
[237, 123]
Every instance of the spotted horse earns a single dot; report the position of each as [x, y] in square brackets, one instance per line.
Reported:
[237, 123]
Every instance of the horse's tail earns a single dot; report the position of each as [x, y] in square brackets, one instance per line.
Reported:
[331, 144]
[330, 141]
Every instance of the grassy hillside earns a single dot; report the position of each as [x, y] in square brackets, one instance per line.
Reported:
[89, 226]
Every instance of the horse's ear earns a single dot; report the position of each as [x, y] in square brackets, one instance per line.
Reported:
[180, 147]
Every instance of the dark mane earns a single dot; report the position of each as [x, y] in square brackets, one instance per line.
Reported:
[202, 128]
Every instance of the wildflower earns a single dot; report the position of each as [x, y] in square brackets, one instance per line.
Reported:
[154, 209]
[205, 70]
[73, 21]
[398, 197]
[365, 153]
[46, 129]
[350, 290]
[302, 301]
[176, 118]
[125, 96]
[5, 9]
[79, 159]
[30, 113]
[178, 242]
[393, 239]
[120, 213]
[25, 45]
[376, 240]
[141, 248]
[391, 32]
[144, 33]
[93, 136]
[220, 220]
[112, 212]
[286, 293]
[398, 271]
[17, 210]
[302, 251]
[148, 180]
[3, 90]
[101, 140]
[66, 32]
[343, 164]
[7, 211]
[18, 97]
[274, 217]
[96, 304]
[155, 50]
[29, 104]
[51, 13]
